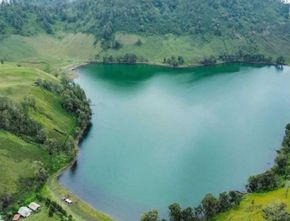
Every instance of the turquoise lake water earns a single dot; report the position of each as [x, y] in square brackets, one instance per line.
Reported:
[164, 135]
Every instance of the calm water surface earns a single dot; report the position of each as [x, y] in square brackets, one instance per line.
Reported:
[161, 135]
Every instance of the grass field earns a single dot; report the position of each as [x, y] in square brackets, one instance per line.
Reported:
[251, 206]
[53, 53]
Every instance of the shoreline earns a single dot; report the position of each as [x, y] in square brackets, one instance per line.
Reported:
[85, 211]
[71, 71]
[72, 68]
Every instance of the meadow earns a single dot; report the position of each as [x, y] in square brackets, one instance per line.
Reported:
[55, 53]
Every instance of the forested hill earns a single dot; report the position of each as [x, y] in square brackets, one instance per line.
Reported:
[198, 17]
[257, 24]
[104, 17]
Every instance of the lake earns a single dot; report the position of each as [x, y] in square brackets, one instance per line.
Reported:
[163, 135]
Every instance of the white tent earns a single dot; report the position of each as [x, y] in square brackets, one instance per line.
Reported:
[24, 211]
[34, 206]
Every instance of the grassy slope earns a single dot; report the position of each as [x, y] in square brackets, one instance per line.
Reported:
[16, 154]
[17, 82]
[47, 52]
[17, 161]
[50, 53]
[17, 157]
[252, 205]
[155, 48]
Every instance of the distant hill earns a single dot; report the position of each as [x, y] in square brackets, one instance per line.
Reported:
[219, 27]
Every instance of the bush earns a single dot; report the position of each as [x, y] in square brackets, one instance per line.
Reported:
[276, 212]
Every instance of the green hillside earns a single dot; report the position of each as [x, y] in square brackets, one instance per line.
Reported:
[19, 161]
[154, 30]
[26, 161]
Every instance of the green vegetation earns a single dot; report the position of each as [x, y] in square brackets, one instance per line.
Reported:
[276, 212]
[253, 204]
[42, 215]
[48, 36]
[20, 161]
[150, 30]
[39, 125]
[208, 208]
[25, 161]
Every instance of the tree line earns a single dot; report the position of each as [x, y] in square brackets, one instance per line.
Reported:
[208, 208]
[242, 57]
[128, 58]
[277, 175]
[174, 61]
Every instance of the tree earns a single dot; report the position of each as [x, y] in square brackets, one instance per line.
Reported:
[2, 61]
[199, 211]
[139, 42]
[263, 182]
[5, 201]
[209, 61]
[280, 61]
[51, 145]
[116, 45]
[107, 31]
[281, 162]
[130, 58]
[235, 198]
[50, 212]
[210, 205]
[150, 216]
[175, 212]
[188, 215]
[180, 60]
[224, 202]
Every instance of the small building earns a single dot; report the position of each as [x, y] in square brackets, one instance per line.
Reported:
[68, 201]
[34, 206]
[24, 211]
[16, 217]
